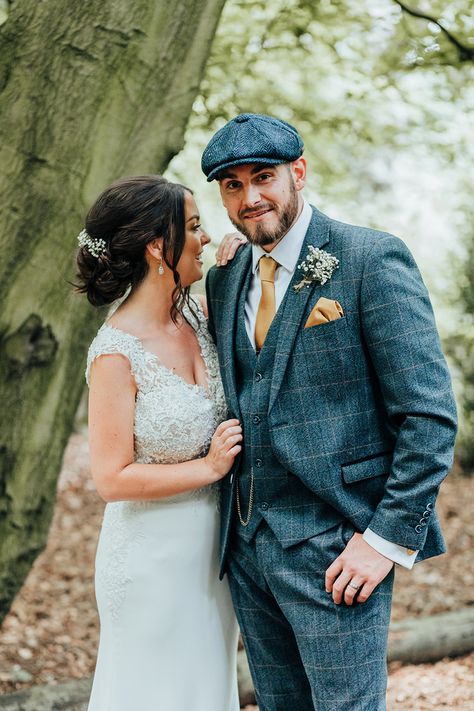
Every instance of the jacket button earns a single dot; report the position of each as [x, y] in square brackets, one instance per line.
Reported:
[258, 463]
[426, 514]
[423, 522]
[258, 377]
[256, 420]
[418, 529]
[264, 506]
[429, 507]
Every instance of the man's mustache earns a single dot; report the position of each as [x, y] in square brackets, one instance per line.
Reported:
[254, 211]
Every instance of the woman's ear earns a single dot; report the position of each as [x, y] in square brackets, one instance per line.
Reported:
[155, 248]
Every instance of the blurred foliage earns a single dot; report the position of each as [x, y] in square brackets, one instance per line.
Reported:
[366, 73]
[460, 348]
[378, 95]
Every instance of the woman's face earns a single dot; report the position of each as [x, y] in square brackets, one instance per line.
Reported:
[190, 265]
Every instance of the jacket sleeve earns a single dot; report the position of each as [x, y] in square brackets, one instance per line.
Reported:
[401, 336]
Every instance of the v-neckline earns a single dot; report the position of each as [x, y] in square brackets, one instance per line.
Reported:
[193, 386]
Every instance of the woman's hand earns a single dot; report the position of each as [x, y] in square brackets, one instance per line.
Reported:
[228, 247]
[224, 448]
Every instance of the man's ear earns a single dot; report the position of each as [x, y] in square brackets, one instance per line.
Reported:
[298, 171]
[155, 248]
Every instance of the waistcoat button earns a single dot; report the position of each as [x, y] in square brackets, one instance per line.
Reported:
[258, 377]
[256, 420]
[258, 463]
[264, 506]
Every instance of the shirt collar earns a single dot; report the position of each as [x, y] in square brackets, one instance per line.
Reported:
[287, 251]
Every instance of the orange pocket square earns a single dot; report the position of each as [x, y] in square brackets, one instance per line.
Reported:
[325, 310]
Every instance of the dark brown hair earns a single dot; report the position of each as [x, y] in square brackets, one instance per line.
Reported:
[128, 215]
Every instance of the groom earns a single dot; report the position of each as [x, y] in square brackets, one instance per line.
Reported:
[331, 361]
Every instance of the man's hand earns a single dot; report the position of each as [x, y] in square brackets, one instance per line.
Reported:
[360, 565]
[228, 247]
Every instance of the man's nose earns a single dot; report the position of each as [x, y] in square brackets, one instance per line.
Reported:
[251, 195]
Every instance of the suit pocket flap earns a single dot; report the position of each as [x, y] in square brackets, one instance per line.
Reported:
[367, 468]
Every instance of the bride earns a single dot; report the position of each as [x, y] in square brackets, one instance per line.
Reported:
[159, 444]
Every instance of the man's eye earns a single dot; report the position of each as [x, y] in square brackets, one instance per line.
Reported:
[232, 186]
[264, 176]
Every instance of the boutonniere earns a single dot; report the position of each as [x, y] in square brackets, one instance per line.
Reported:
[318, 266]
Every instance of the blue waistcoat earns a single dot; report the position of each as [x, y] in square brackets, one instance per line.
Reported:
[293, 512]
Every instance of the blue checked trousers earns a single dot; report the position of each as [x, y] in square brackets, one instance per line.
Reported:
[305, 652]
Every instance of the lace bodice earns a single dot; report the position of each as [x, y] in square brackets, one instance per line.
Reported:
[174, 420]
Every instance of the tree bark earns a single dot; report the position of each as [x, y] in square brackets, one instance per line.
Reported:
[89, 92]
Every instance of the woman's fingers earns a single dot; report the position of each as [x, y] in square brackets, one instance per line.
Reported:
[233, 246]
[235, 450]
[225, 425]
[228, 247]
[231, 441]
[231, 431]
[226, 436]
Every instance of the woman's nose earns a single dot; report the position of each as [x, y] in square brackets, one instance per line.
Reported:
[205, 239]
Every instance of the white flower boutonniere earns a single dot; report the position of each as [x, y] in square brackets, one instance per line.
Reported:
[318, 266]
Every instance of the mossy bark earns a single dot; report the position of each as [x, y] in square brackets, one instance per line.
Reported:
[89, 92]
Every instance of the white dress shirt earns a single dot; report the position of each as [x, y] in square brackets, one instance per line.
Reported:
[286, 253]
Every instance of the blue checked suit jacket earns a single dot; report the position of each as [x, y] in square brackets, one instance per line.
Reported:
[361, 408]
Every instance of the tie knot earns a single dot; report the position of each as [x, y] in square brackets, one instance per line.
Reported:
[267, 267]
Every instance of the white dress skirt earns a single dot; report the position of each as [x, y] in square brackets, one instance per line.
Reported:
[168, 633]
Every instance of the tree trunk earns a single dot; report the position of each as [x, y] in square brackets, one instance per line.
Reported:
[89, 92]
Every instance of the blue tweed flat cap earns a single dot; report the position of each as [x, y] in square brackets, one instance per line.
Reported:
[251, 138]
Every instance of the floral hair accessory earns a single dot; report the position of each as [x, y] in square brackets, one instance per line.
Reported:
[94, 246]
[318, 266]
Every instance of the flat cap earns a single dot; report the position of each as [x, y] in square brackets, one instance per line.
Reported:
[251, 138]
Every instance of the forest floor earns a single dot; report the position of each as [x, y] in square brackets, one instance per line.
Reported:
[51, 632]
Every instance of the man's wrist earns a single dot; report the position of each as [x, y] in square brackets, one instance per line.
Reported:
[403, 556]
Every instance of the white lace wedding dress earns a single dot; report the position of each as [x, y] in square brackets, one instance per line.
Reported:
[168, 637]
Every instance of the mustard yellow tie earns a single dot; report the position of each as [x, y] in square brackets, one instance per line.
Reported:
[266, 308]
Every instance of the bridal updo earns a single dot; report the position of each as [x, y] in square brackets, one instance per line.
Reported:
[128, 215]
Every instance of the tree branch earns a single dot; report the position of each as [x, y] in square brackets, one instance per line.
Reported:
[465, 53]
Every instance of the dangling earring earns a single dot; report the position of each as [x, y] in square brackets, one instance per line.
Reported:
[161, 271]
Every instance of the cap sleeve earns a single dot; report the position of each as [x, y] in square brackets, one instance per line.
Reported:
[109, 341]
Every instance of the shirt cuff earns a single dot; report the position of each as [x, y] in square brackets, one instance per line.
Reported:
[403, 556]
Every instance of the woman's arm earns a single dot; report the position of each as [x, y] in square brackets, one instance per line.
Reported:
[117, 477]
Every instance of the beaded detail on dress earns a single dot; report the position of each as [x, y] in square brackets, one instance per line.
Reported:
[174, 420]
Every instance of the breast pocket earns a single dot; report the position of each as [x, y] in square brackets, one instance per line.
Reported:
[326, 348]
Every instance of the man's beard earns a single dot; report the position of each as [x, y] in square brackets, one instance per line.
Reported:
[263, 236]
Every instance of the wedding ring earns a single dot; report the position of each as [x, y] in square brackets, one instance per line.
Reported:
[356, 587]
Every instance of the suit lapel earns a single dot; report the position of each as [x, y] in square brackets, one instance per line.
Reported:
[294, 304]
[233, 289]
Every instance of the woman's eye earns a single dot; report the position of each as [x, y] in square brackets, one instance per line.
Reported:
[196, 227]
